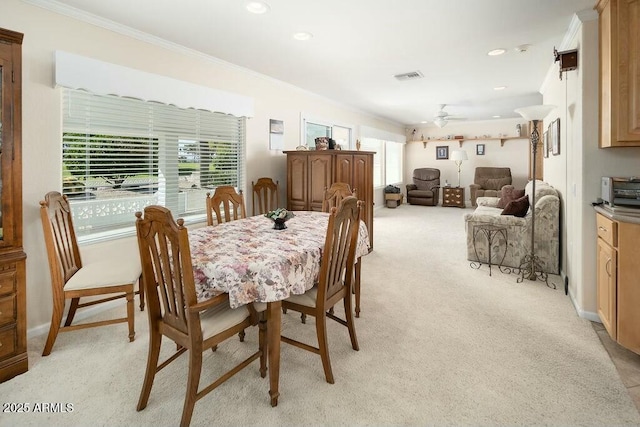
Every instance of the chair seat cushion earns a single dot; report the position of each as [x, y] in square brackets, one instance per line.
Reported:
[308, 299]
[420, 193]
[106, 273]
[220, 318]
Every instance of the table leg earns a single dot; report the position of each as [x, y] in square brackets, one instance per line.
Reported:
[274, 325]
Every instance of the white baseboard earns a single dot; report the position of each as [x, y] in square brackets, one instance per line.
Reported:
[589, 315]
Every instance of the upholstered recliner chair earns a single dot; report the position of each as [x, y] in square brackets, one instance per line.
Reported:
[425, 188]
[488, 182]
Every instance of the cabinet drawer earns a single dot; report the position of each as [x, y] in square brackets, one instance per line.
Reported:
[7, 342]
[7, 282]
[607, 230]
[7, 310]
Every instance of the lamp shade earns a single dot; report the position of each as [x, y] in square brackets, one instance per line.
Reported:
[535, 112]
[458, 155]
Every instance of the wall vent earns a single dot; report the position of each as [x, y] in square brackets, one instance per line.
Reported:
[412, 75]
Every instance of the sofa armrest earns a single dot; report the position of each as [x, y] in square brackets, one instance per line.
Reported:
[488, 201]
[411, 187]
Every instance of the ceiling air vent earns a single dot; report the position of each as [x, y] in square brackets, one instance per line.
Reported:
[412, 75]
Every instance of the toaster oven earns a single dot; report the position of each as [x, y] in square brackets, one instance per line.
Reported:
[621, 191]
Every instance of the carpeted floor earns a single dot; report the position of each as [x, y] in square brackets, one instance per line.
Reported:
[440, 344]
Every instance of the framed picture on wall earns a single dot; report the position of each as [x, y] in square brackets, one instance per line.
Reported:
[442, 152]
[479, 149]
[555, 137]
[545, 143]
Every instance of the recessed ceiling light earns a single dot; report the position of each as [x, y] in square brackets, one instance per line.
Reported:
[499, 88]
[496, 52]
[302, 35]
[424, 121]
[496, 117]
[258, 7]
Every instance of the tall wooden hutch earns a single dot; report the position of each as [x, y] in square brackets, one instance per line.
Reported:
[13, 298]
[310, 172]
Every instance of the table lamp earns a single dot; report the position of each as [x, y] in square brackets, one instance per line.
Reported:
[530, 265]
[459, 156]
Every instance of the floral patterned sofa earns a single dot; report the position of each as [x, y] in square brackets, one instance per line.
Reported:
[547, 230]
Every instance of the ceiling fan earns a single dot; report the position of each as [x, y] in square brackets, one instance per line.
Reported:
[441, 118]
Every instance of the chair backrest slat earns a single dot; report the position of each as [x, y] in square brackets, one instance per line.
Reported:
[232, 202]
[60, 238]
[334, 195]
[167, 272]
[265, 196]
[338, 255]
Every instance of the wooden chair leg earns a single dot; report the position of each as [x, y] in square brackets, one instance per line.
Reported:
[195, 367]
[155, 340]
[351, 325]
[323, 346]
[56, 319]
[141, 293]
[130, 315]
[72, 311]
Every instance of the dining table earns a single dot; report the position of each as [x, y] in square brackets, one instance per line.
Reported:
[255, 263]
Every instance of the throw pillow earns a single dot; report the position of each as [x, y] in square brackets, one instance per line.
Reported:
[517, 207]
[509, 193]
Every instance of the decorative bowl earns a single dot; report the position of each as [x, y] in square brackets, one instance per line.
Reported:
[279, 217]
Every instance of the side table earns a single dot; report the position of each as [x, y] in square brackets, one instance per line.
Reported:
[491, 232]
[453, 197]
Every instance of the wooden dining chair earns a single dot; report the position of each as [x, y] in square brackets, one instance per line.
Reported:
[334, 284]
[265, 196]
[226, 205]
[71, 279]
[333, 195]
[174, 311]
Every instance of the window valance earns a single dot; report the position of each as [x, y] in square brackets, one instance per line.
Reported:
[103, 78]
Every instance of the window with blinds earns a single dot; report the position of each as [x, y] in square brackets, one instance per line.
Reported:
[120, 155]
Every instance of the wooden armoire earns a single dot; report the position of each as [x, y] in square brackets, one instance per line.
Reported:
[13, 298]
[310, 172]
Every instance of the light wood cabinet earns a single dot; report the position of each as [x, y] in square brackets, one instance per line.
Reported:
[619, 78]
[618, 280]
[13, 299]
[310, 172]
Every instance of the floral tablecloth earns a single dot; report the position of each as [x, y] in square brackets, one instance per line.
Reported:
[252, 262]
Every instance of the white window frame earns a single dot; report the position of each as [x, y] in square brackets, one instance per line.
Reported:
[306, 118]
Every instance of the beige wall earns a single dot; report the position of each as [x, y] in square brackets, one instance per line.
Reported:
[577, 171]
[46, 32]
[514, 153]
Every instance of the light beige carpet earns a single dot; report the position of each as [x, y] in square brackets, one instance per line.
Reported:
[440, 344]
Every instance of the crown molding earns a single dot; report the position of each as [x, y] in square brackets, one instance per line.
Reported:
[74, 13]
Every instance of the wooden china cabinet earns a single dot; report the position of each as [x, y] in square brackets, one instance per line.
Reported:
[13, 298]
[310, 172]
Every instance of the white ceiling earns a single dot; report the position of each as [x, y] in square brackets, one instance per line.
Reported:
[359, 45]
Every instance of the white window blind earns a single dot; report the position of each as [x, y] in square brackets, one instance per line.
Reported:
[393, 162]
[120, 155]
[372, 144]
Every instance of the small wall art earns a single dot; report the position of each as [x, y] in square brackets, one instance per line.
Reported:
[545, 144]
[276, 134]
[442, 152]
[479, 149]
[554, 137]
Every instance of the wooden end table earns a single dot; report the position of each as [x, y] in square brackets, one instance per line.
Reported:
[453, 197]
